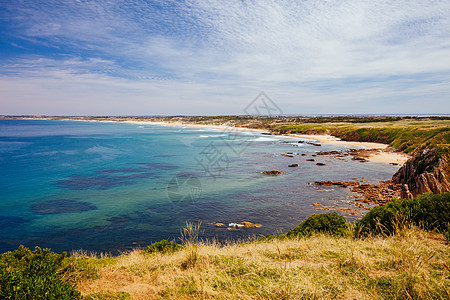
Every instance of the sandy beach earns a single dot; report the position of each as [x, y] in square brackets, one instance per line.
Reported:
[380, 153]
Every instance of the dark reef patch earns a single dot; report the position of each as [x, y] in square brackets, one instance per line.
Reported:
[156, 166]
[11, 221]
[61, 206]
[114, 171]
[84, 182]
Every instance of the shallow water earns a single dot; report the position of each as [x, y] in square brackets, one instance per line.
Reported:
[115, 186]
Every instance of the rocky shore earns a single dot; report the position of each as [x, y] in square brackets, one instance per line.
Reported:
[425, 170]
[370, 193]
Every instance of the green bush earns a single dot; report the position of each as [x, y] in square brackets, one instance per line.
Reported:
[328, 223]
[430, 211]
[35, 275]
[162, 247]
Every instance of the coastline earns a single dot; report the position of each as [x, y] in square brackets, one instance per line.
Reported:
[377, 152]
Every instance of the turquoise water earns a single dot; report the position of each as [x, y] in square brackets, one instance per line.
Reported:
[116, 186]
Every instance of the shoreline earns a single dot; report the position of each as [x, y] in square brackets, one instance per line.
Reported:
[377, 152]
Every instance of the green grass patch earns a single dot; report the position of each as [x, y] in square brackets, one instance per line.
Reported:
[430, 211]
[162, 246]
[37, 274]
[327, 223]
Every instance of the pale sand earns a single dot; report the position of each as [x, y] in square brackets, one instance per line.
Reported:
[222, 127]
[384, 153]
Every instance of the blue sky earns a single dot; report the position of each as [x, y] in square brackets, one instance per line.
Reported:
[110, 57]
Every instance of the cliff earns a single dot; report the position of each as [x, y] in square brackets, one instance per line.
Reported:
[426, 172]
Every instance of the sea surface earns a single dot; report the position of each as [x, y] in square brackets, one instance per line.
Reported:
[111, 187]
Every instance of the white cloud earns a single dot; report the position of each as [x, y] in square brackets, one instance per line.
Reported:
[210, 57]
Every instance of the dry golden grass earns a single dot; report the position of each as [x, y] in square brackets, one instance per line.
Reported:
[413, 264]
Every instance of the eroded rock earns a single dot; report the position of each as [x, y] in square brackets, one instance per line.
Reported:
[273, 172]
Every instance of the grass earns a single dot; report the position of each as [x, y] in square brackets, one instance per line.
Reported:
[412, 264]
[409, 135]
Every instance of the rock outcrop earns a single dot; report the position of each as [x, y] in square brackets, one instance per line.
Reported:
[273, 172]
[427, 172]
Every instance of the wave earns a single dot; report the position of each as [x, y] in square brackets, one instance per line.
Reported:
[213, 135]
[264, 139]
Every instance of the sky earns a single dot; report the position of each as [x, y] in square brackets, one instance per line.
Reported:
[213, 57]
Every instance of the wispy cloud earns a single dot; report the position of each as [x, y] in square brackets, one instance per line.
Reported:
[210, 57]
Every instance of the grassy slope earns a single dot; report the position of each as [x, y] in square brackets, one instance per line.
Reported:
[412, 263]
[407, 135]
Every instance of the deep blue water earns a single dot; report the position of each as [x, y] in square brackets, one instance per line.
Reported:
[114, 186]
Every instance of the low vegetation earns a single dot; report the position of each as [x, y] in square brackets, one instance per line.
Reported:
[410, 135]
[428, 211]
[38, 274]
[396, 251]
[330, 223]
[163, 246]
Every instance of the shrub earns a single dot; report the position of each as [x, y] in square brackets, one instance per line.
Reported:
[35, 275]
[162, 247]
[431, 211]
[328, 223]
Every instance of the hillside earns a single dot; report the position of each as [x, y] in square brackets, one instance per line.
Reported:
[396, 251]
[427, 139]
[409, 264]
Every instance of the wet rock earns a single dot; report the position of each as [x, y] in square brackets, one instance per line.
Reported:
[314, 144]
[273, 172]
[329, 153]
[360, 159]
[244, 224]
[320, 164]
[310, 159]
[343, 184]
[378, 193]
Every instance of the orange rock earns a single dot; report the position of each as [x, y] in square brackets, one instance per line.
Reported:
[273, 172]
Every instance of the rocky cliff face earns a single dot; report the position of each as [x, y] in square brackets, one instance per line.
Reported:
[427, 172]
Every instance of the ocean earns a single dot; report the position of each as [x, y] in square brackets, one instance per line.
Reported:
[112, 187]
